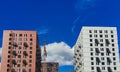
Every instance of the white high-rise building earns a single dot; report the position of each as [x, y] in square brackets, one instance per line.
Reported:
[96, 50]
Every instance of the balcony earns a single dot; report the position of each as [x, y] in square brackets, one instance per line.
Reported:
[97, 61]
[107, 42]
[14, 62]
[96, 42]
[24, 62]
[15, 44]
[109, 69]
[108, 61]
[14, 53]
[25, 53]
[12, 70]
[25, 44]
[98, 69]
[108, 51]
[97, 51]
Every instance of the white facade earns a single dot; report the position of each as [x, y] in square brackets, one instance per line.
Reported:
[96, 50]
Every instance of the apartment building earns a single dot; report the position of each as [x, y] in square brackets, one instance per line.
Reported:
[96, 50]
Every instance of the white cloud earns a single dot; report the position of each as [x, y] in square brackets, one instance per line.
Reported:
[59, 52]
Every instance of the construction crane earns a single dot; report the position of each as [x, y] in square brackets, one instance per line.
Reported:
[45, 56]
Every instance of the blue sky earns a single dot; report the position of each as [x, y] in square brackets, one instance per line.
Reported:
[58, 20]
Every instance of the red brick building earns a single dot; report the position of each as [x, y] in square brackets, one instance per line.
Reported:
[20, 51]
[50, 67]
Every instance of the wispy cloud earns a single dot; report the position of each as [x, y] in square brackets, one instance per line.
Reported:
[42, 30]
[59, 52]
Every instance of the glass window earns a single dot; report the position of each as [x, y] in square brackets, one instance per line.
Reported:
[95, 31]
[100, 31]
[20, 35]
[90, 31]
[90, 35]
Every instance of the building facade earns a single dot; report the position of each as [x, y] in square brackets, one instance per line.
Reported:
[20, 51]
[96, 50]
[49, 67]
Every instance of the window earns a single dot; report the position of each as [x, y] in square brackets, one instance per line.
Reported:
[101, 40]
[106, 31]
[92, 63]
[30, 61]
[91, 49]
[8, 61]
[112, 36]
[90, 31]
[112, 40]
[20, 39]
[31, 39]
[30, 65]
[20, 35]
[114, 63]
[91, 44]
[30, 43]
[10, 43]
[95, 31]
[106, 36]
[100, 31]
[95, 35]
[10, 34]
[102, 58]
[30, 70]
[91, 54]
[103, 63]
[30, 56]
[113, 49]
[113, 54]
[9, 47]
[92, 68]
[115, 68]
[8, 56]
[90, 40]
[101, 35]
[30, 35]
[30, 52]
[90, 35]
[18, 65]
[91, 58]
[19, 56]
[111, 31]
[103, 68]
[102, 49]
[31, 48]
[101, 44]
[112, 45]
[102, 54]
[114, 58]
[8, 51]
[10, 38]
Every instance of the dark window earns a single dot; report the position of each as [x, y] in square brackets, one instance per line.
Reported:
[91, 54]
[112, 40]
[19, 56]
[113, 49]
[114, 63]
[31, 39]
[103, 63]
[92, 63]
[30, 35]
[10, 43]
[113, 54]
[91, 58]
[20, 35]
[30, 52]
[8, 56]
[10, 34]
[30, 56]
[101, 35]
[8, 51]
[91, 44]
[114, 58]
[112, 36]
[90, 40]
[10, 38]
[101, 44]
[9, 47]
[112, 45]
[102, 54]
[18, 65]
[8, 60]
[111, 31]
[115, 68]
[90, 35]
[90, 31]
[100, 31]
[30, 70]
[31, 48]
[91, 49]
[92, 68]
[30, 61]
[95, 35]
